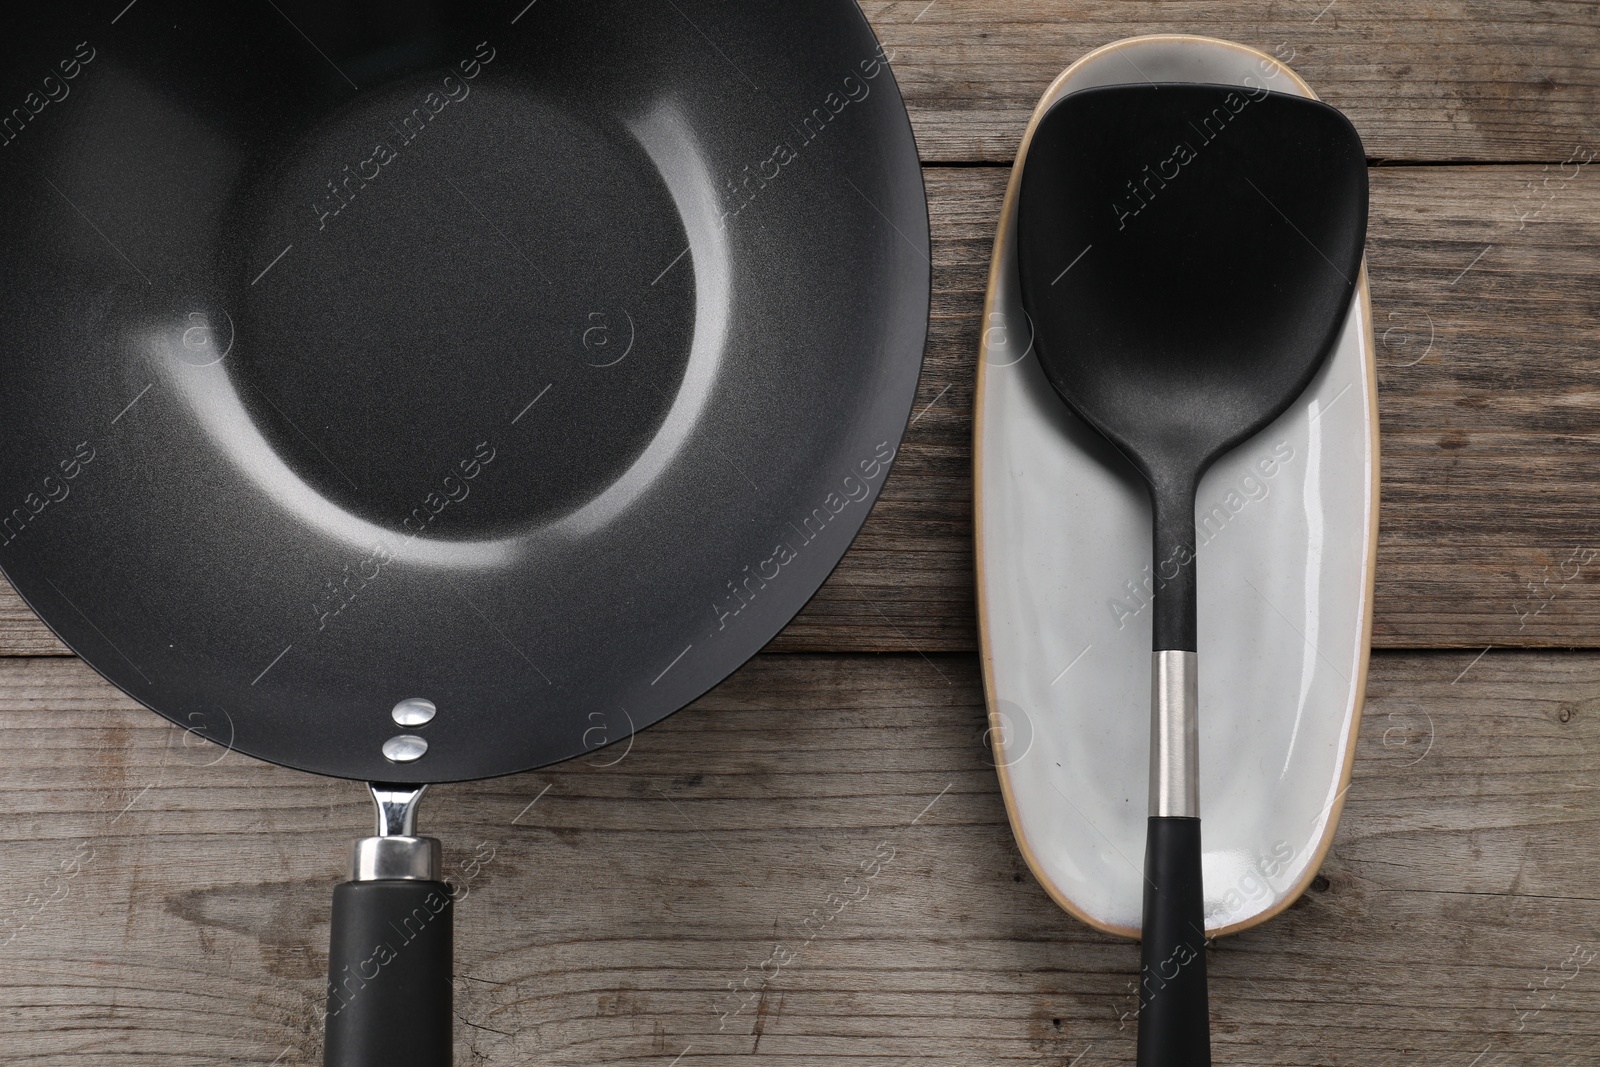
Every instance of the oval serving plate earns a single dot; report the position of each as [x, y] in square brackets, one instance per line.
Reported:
[1287, 529]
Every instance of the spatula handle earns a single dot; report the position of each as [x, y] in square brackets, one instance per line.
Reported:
[1174, 1016]
[1173, 568]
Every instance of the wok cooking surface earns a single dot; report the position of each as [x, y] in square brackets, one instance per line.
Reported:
[431, 305]
[536, 367]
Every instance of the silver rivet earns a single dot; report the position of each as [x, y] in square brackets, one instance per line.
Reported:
[404, 748]
[414, 711]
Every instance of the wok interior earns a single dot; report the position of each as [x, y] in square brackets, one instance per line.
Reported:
[418, 354]
[502, 256]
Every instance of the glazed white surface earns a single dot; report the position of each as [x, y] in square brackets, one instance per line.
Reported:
[1284, 599]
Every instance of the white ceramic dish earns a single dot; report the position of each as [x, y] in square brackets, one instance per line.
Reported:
[1288, 529]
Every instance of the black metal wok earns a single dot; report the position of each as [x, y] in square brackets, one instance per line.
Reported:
[396, 391]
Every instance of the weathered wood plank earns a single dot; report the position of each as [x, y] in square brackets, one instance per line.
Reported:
[1489, 398]
[610, 917]
[1472, 80]
[21, 632]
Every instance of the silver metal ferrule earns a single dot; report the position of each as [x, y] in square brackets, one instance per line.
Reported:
[1175, 734]
[396, 853]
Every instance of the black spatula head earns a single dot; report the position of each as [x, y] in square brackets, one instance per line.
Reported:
[1187, 255]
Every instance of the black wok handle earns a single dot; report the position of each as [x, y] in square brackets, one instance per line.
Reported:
[390, 993]
[1174, 1017]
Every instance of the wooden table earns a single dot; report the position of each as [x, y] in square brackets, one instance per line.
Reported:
[164, 906]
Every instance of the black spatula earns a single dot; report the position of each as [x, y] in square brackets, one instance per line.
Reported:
[1187, 254]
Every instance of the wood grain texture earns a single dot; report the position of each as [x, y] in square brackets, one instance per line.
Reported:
[1489, 397]
[21, 631]
[610, 916]
[1475, 80]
